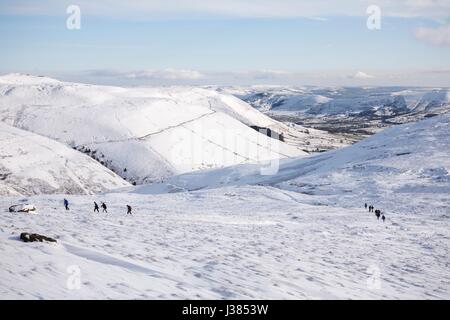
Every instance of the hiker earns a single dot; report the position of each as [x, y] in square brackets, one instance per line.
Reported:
[378, 213]
[104, 207]
[383, 217]
[371, 208]
[96, 207]
[365, 205]
[128, 209]
[66, 204]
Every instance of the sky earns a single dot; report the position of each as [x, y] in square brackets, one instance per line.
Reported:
[246, 42]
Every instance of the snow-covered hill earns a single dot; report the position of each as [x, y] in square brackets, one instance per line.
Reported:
[432, 100]
[143, 134]
[32, 164]
[353, 111]
[302, 233]
[228, 233]
[342, 100]
[404, 169]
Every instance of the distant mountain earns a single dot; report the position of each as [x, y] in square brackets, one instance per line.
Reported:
[32, 164]
[433, 100]
[355, 112]
[343, 100]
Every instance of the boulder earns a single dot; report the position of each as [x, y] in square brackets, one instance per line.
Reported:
[28, 208]
[32, 237]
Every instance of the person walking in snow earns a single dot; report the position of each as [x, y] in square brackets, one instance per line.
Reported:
[96, 207]
[66, 204]
[365, 205]
[383, 217]
[104, 207]
[378, 213]
[128, 209]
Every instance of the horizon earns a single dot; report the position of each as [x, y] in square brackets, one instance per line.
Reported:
[355, 43]
[255, 86]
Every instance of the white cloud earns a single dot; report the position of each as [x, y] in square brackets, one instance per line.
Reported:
[166, 74]
[263, 74]
[439, 36]
[361, 75]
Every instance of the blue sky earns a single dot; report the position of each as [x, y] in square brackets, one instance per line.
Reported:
[160, 44]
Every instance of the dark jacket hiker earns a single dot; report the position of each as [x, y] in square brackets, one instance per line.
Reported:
[378, 213]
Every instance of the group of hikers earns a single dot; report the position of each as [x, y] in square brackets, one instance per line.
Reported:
[97, 208]
[377, 212]
[371, 208]
[103, 205]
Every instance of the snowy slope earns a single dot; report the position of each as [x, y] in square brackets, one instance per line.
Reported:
[143, 134]
[433, 100]
[405, 168]
[32, 164]
[260, 98]
[228, 243]
[302, 233]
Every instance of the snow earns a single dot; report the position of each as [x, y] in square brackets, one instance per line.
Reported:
[138, 132]
[389, 169]
[32, 164]
[433, 99]
[217, 224]
[301, 233]
[230, 243]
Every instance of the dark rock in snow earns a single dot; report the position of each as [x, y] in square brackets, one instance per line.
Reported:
[32, 237]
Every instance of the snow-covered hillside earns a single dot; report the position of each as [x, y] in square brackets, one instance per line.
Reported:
[302, 233]
[230, 243]
[299, 232]
[403, 169]
[307, 139]
[32, 164]
[143, 134]
[353, 112]
[342, 100]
